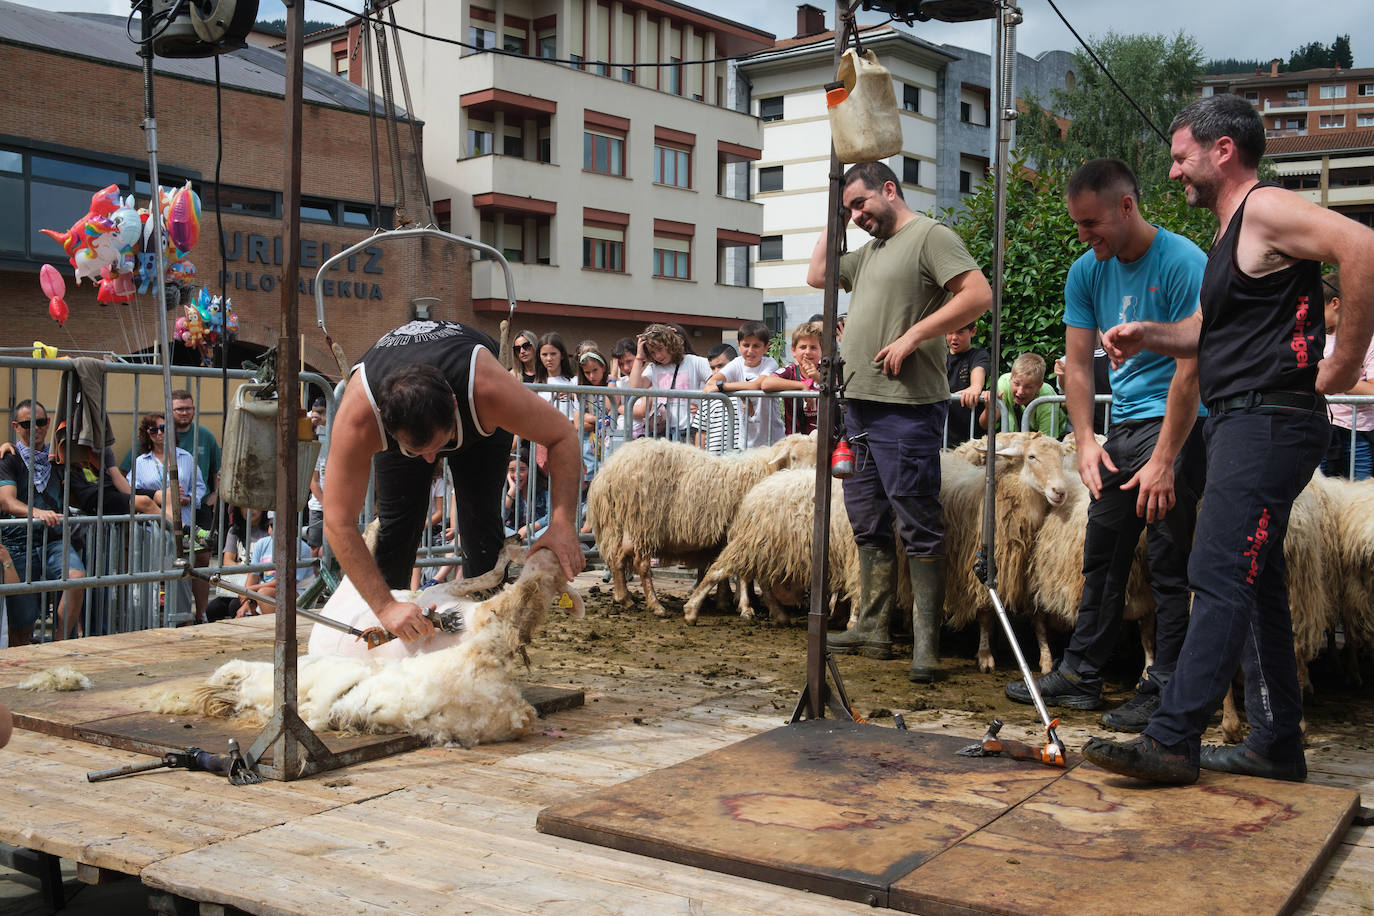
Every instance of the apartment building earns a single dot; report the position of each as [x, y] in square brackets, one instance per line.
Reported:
[594, 144]
[1320, 125]
[947, 140]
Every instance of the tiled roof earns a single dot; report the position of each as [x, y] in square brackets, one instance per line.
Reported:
[1326, 141]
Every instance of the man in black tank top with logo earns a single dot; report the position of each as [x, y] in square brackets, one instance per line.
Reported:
[1258, 339]
[425, 391]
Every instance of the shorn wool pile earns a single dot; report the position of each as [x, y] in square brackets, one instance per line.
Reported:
[466, 694]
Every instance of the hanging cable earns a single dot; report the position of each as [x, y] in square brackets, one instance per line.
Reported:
[398, 187]
[1103, 67]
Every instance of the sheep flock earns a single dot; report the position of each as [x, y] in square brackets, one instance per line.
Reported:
[748, 520]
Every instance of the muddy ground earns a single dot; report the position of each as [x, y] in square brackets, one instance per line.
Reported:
[726, 652]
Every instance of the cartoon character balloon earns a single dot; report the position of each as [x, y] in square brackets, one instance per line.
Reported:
[55, 288]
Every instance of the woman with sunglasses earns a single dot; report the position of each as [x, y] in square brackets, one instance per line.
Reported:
[150, 468]
[425, 391]
[524, 353]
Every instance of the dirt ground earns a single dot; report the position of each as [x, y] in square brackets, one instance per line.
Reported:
[727, 652]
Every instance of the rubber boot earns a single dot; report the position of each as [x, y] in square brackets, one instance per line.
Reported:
[927, 615]
[877, 593]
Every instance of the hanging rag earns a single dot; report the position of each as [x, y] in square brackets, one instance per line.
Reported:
[89, 428]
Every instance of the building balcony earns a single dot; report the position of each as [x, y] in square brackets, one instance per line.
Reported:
[495, 173]
[1272, 132]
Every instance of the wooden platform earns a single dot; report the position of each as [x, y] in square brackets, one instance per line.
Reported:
[898, 819]
[444, 830]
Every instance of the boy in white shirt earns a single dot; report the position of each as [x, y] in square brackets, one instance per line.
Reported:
[764, 423]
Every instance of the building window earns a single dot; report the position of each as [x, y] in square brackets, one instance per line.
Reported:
[627, 75]
[770, 109]
[603, 153]
[1328, 121]
[775, 316]
[675, 76]
[603, 248]
[479, 142]
[770, 248]
[576, 61]
[966, 112]
[1364, 119]
[672, 258]
[443, 215]
[672, 166]
[911, 98]
[481, 39]
[1331, 92]
[341, 64]
[1296, 124]
[514, 39]
[1252, 98]
[965, 182]
[1366, 89]
[770, 179]
[599, 68]
[548, 44]
[512, 144]
[911, 170]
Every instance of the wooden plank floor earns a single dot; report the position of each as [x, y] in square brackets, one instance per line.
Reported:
[442, 830]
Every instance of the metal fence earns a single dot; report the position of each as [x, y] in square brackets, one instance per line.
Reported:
[137, 573]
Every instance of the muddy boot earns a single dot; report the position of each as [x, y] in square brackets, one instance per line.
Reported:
[877, 591]
[928, 613]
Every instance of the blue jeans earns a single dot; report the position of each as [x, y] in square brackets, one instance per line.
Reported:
[1337, 460]
[896, 475]
[1258, 461]
[23, 609]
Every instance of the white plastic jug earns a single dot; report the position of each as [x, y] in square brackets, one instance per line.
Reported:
[864, 125]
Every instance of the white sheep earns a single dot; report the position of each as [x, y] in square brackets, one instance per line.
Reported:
[654, 498]
[467, 693]
[770, 544]
[1056, 572]
[1030, 480]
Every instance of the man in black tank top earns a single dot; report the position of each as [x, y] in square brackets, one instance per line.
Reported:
[1258, 339]
[430, 390]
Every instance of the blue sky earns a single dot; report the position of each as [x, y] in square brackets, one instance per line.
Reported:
[1224, 28]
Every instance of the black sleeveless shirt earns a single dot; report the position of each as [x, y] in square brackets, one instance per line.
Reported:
[446, 345]
[1258, 333]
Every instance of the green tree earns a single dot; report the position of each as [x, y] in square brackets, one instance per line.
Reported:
[1341, 55]
[1310, 56]
[1042, 244]
[1233, 65]
[1158, 72]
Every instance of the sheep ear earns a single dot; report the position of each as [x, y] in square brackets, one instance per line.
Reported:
[1011, 448]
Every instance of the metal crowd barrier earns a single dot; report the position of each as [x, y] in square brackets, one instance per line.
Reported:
[135, 576]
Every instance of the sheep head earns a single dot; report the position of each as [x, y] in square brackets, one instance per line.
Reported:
[1037, 458]
[795, 450]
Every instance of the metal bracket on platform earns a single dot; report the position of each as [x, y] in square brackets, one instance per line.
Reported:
[286, 734]
[836, 699]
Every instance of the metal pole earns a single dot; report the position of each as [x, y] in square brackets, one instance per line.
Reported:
[169, 446]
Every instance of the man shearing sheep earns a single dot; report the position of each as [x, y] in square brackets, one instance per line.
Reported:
[425, 391]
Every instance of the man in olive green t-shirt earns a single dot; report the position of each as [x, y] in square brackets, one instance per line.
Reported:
[909, 286]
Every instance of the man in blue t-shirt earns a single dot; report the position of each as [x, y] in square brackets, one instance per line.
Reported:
[1149, 470]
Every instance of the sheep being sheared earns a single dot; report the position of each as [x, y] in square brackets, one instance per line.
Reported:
[467, 693]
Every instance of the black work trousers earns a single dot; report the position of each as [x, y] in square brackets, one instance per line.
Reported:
[1258, 461]
[402, 487]
[1109, 546]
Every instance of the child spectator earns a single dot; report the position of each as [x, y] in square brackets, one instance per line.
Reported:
[599, 413]
[264, 584]
[661, 362]
[623, 356]
[520, 518]
[803, 374]
[1017, 388]
[555, 367]
[763, 422]
[967, 368]
[714, 419]
[1346, 434]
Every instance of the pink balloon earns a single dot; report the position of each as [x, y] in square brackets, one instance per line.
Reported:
[57, 308]
[54, 287]
[183, 219]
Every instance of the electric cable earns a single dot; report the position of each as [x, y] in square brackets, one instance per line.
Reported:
[1103, 67]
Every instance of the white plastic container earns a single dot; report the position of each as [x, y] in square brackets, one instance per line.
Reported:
[864, 125]
[248, 466]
